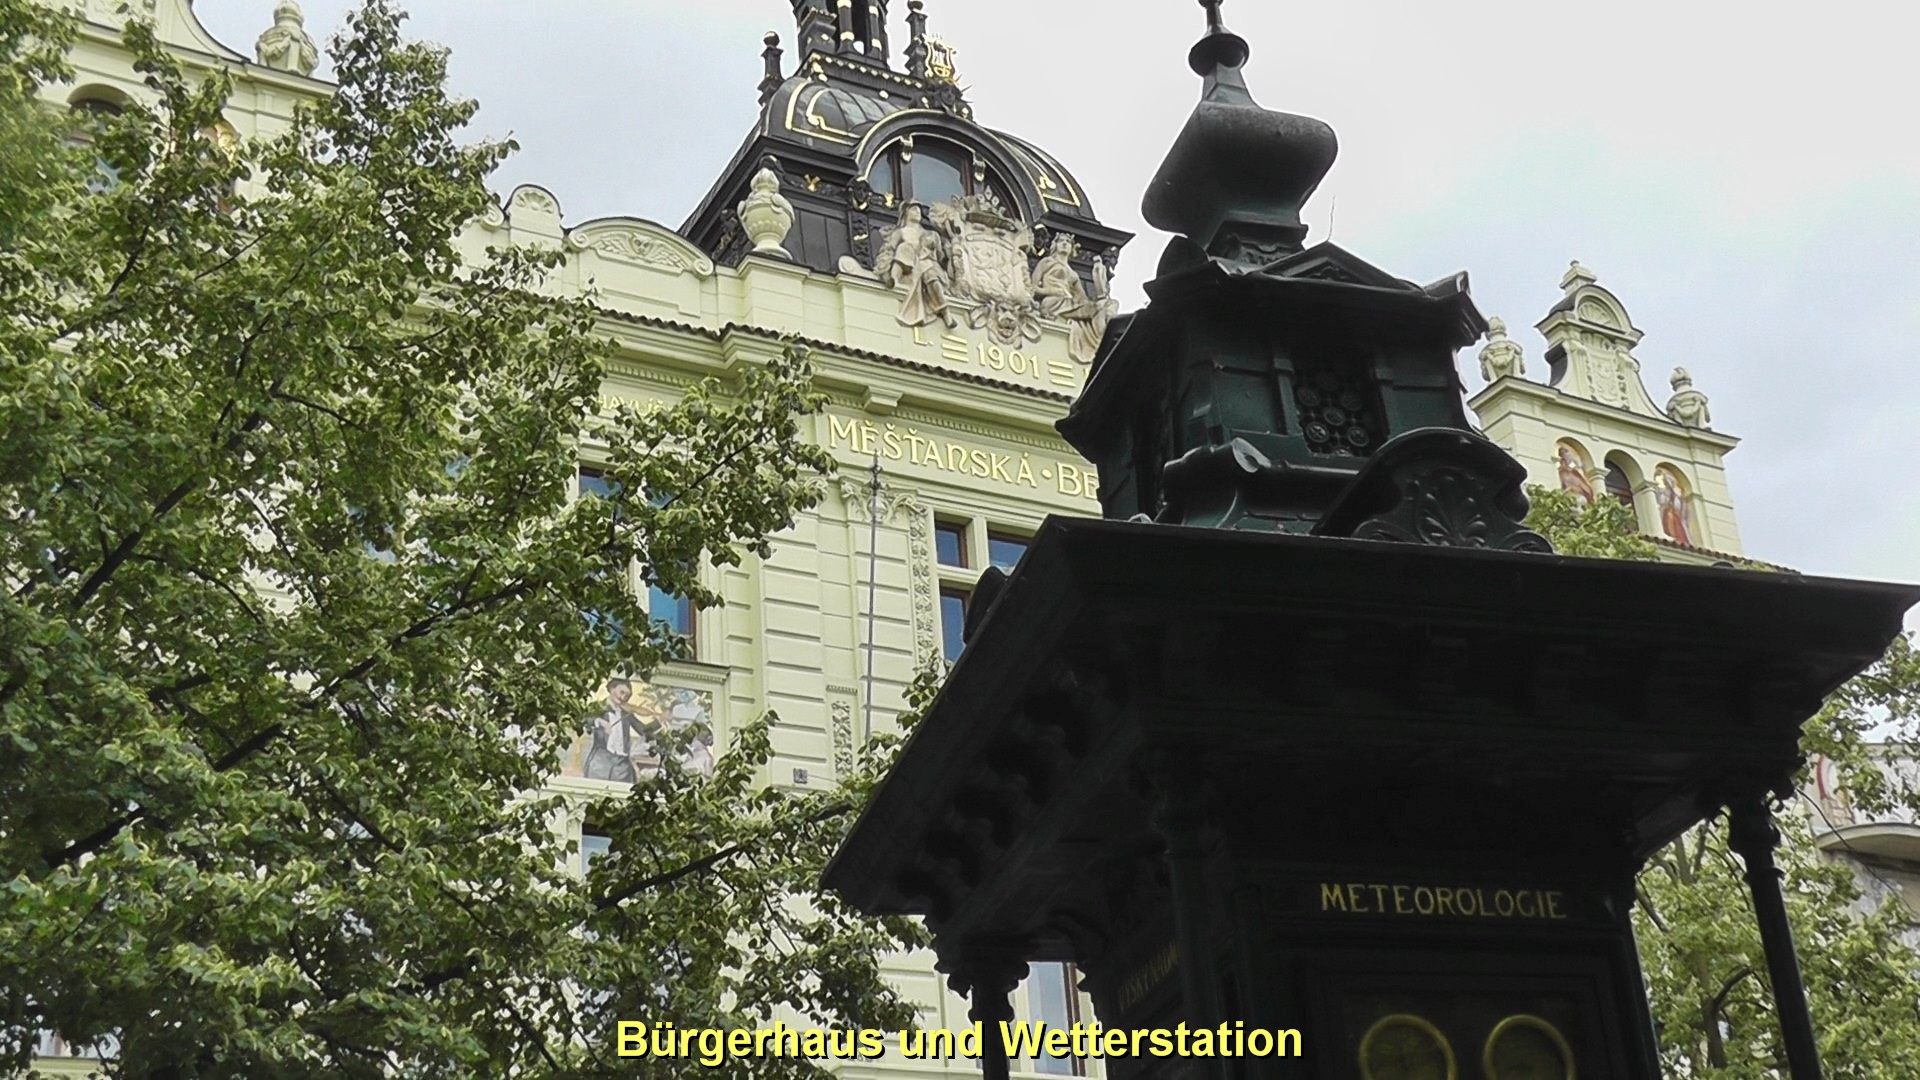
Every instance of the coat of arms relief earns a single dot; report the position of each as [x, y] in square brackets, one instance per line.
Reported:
[968, 257]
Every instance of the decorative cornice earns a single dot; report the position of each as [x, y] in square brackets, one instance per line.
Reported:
[711, 676]
[1010, 435]
[1553, 394]
[760, 333]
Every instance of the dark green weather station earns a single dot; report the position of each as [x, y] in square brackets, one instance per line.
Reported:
[1295, 739]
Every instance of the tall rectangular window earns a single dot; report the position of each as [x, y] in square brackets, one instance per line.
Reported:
[673, 612]
[595, 485]
[593, 844]
[953, 621]
[1053, 1000]
[1005, 551]
[950, 543]
[670, 610]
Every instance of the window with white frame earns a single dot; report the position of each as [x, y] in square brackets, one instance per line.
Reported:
[962, 549]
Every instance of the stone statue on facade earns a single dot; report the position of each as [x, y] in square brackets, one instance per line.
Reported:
[767, 215]
[913, 257]
[1688, 407]
[1058, 292]
[971, 251]
[1501, 357]
[286, 45]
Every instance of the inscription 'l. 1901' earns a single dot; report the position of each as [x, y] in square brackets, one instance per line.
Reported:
[1365, 898]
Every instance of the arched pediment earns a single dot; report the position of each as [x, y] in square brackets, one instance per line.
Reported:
[641, 242]
[532, 198]
[173, 20]
[1595, 310]
[1590, 342]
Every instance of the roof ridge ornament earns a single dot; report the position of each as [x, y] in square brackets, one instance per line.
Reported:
[1220, 50]
[1238, 174]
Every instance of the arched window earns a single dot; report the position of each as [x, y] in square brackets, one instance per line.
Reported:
[90, 114]
[1618, 485]
[931, 170]
[936, 173]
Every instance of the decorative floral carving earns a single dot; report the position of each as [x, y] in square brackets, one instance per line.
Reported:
[859, 497]
[926, 641]
[114, 12]
[636, 244]
[841, 735]
[1441, 488]
[1452, 508]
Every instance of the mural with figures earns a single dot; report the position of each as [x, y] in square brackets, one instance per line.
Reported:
[1670, 491]
[635, 727]
[1576, 471]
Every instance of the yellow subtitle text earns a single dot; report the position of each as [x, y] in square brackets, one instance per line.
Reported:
[715, 1047]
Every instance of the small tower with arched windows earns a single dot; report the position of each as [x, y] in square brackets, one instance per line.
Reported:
[1594, 430]
[862, 147]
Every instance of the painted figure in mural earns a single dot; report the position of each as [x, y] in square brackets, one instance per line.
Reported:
[618, 734]
[687, 728]
[1059, 292]
[1676, 514]
[914, 257]
[1573, 475]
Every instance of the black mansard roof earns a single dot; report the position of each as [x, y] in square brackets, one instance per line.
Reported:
[826, 125]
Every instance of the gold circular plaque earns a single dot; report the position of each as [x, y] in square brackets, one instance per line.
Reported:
[1405, 1047]
[1527, 1048]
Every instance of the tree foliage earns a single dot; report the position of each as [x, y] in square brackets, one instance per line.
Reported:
[297, 609]
[1699, 942]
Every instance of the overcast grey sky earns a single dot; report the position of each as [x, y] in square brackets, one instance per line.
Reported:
[1746, 177]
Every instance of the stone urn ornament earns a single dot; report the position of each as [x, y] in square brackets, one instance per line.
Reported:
[767, 215]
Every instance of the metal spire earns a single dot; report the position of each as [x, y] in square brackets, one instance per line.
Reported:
[1220, 48]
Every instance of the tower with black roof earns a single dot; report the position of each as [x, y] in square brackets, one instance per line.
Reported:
[855, 139]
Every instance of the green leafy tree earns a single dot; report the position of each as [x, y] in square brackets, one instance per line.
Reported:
[1699, 942]
[297, 610]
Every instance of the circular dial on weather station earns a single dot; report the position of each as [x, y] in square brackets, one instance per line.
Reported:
[1405, 1047]
[1528, 1048]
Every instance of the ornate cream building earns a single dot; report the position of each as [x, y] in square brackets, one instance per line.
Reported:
[1592, 428]
[951, 282]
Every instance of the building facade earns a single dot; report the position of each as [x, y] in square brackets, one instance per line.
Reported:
[950, 283]
[1591, 428]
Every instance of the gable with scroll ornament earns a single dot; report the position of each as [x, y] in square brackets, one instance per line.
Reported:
[640, 242]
